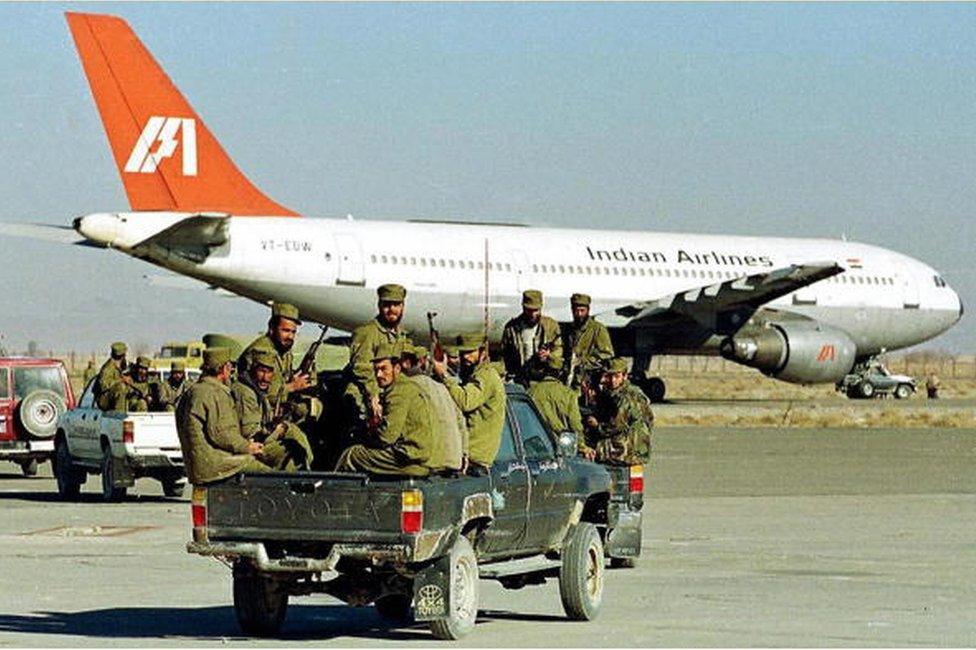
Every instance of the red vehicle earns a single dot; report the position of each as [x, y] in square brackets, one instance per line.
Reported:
[33, 394]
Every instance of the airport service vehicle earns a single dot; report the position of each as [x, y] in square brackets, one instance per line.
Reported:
[120, 447]
[189, 352]
[877, 381]
[540, 514]
[800, 310]
[33, 394]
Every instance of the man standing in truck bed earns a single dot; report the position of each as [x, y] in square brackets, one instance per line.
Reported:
[402, 444]
[279, 340]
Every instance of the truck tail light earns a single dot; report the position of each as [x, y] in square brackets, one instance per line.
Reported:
[411, 511]
[198, 513]
[636, 479]
[128, 432]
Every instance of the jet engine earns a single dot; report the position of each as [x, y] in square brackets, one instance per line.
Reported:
[798, 352]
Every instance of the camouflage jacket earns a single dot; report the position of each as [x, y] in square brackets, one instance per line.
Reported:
[547, 334]
[210, 433]
[624, 432]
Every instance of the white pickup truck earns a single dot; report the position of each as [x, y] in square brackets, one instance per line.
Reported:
[121, 447]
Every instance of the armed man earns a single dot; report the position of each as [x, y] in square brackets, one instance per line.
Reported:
[587, 341]
[279, 340]
[403, 442]
[531, 338]
[363, 393]
[620, 429]
[138, 396]
[558, 405]
[209, 429]
[480, 394]
[170, 390]
[285, 445]
[111, 387]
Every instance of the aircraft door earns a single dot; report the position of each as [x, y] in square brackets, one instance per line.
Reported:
[909, 287]
[350, 267]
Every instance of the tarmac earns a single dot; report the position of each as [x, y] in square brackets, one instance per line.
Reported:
[753, 537]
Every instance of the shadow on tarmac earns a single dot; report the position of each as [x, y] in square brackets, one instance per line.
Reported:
[304, 622]
[86, 498]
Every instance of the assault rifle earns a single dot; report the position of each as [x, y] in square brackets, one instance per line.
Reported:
[437, 350]
[308, 361]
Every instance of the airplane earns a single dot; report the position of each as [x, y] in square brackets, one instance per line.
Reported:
[800, 310]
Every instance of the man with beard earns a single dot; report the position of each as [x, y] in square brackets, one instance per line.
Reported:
[363, 393]
[402, 443]
[620, 429]
[138, 396]
[168, 392]
[588, 342]
[530, 339]
[209, 429]
[480, 394]
[279, 339]
[285, 445]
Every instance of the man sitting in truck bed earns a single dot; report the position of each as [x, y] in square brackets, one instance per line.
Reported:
[402, 444]
[210, 433]
[285, 445]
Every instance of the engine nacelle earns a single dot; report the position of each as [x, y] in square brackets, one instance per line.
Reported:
[797, 352]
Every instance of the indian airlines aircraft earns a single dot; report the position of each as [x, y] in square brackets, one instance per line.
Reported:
[800, 310]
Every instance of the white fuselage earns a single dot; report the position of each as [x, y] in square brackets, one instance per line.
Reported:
[330, 269]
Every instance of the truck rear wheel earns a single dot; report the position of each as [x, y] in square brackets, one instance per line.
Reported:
[462, 611]
[581, 574]
[259, 602]
[110, 493]
[67, 475]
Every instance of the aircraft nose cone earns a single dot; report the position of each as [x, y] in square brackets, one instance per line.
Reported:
[102, 228]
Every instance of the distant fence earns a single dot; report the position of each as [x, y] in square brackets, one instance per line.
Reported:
[958, 367]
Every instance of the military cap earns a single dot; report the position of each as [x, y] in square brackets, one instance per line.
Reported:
[143, 362]
[532, 298]
[617, 364]
[215, 358]
[285, 310]
[470, 341]
[118, 349]
[579, 299]
[177, 366]
[420, 351]
[264, 358]
[411, 351]
[385, 351]
[391, 293]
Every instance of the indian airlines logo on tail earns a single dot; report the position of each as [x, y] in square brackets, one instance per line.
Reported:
[168, 132]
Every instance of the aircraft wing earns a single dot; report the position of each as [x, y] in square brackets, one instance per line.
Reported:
[723, 307]
[192, 237]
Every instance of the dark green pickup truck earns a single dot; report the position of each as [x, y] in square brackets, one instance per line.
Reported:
[541, 513]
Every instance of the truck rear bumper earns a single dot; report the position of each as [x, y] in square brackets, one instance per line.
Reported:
[26, 449]
[258, 554]
[154, 461]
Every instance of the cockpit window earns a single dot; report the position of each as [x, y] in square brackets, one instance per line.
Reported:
[939, 282]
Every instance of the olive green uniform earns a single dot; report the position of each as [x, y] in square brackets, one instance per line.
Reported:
[482, 400]
[450, 431]
[167, 395]
[590, 348]
[624, 433]
[366, 341]
[404, 442]
[284, 364]
[110, 389]
[547, 335]
[210, 434]
[287, 450]
[138, 398]
[89, 374]
[558, 406]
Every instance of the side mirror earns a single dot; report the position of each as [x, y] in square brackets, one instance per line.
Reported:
[568, 444]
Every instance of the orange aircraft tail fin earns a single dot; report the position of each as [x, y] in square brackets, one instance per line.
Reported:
[167, 157]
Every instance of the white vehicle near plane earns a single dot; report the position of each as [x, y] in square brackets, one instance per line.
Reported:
[799, 310]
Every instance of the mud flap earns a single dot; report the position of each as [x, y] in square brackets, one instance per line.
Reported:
[624, 539]
[122, 474]
[432, 591]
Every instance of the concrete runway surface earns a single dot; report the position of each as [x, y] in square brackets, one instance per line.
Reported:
[758, 537]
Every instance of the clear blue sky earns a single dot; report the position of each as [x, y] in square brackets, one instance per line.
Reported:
[782, 119]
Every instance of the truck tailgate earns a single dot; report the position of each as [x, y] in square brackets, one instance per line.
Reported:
[154, 431]
[311, 506]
